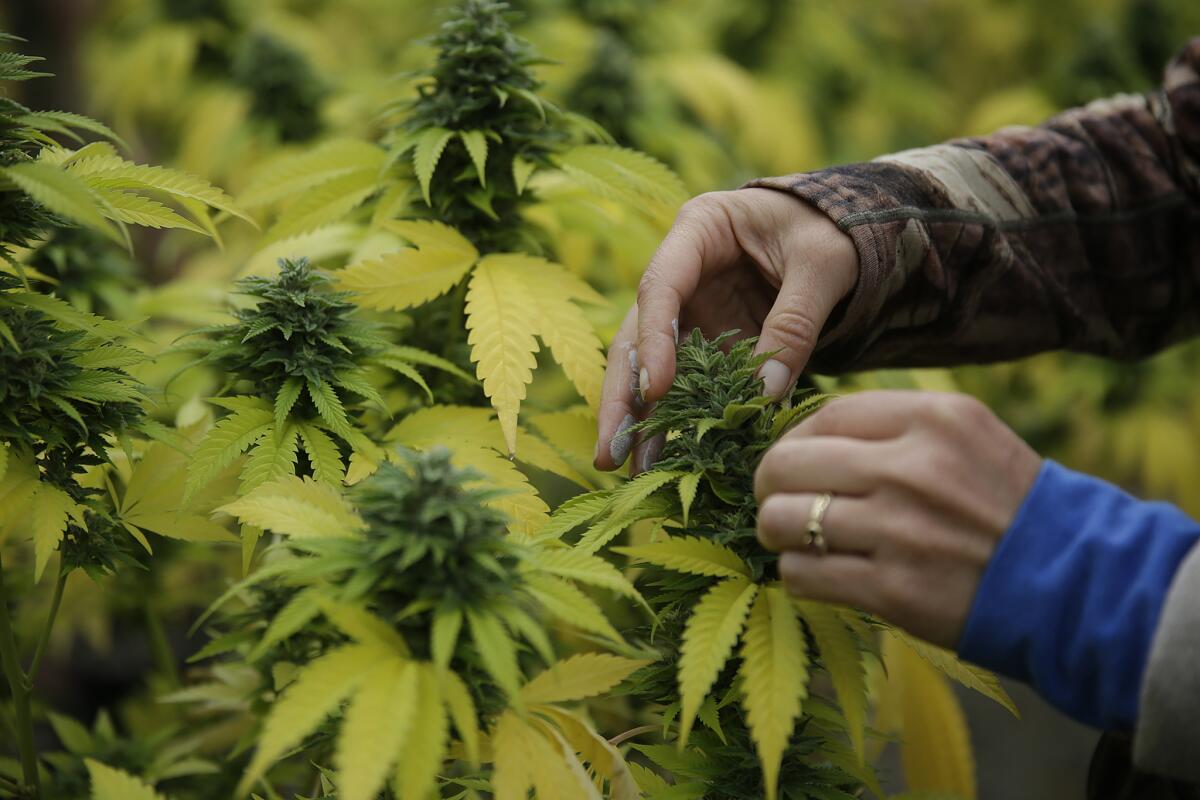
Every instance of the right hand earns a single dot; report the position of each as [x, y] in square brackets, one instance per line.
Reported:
[758, 260]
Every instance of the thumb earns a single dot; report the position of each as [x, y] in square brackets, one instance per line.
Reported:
[792, 326]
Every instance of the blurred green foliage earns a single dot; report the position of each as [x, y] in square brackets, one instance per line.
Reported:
[722, 91]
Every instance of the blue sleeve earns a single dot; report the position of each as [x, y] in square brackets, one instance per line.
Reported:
[1072, 595]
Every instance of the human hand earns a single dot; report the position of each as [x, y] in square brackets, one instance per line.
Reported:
[758, 260]
[924, 486]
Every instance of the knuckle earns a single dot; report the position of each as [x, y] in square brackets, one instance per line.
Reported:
[791, 572]
[892, 590]
[796, 328]
[772, 521]
[952, 411]
[648, 286]
[926, 467]
[699, 207]
[773, 464]
[824, 419]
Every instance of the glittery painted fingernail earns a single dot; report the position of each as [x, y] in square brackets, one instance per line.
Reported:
[618, 447]
[675, 329]
[643, 383]
[651, 452]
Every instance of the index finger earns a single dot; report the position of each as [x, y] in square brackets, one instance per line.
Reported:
[618, 403]
[700, 237]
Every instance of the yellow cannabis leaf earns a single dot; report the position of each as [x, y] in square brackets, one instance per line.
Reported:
[323, 454]
[299, 507]
[625, 175]
[573, 434]
[471, 427]
[774, 676]
[426, 154]
[422, 758]
[583, 567]
[512, 299]
[527, 755]
[694, 555]
[52, 507]
[918, 704]
[563, 326]
[113, 784]
[438, 260]
[841, 658]
[502, 318]
[579, 677]
[138, 210]
[153, 499]
[574, 512]
[571, 605]
[709, 637]
[968, 675]
[290, 174]
[274, 457]
[193, 193]
[228, 439]
[496, 650]
[315, 693]
[687, 492]
[477, 147]
[362, 626]
[375, 728]
[523, 170]
[604, 759]
[629, 495]
[64, 194]
[462, 711]
[298, 612]
[323, 204]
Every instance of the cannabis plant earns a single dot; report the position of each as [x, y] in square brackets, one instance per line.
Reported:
[712, 587]
[297, 364]
[409, 601]
[70, 409]
[210, 54]
[443, 199]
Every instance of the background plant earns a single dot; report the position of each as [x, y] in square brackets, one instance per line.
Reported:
[720, 92]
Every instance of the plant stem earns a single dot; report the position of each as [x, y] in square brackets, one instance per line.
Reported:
[621, 737]
[55, 602]
[163, 655]
[18, 684]
[454, 320]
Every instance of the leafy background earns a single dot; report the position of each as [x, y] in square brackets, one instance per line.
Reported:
[720, 91]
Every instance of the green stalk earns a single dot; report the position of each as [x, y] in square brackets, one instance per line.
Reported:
[18, 684]
[164, 657]
[455, 319]
[44, 638]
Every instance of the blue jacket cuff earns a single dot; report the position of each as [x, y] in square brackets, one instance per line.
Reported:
[1072, 595]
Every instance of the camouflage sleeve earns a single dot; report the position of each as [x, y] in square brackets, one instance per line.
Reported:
[1080, 234]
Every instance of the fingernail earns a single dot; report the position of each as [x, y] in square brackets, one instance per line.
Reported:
[675, 329]
[643, 383]
[618, 448]
[651, 452]
[775, 377]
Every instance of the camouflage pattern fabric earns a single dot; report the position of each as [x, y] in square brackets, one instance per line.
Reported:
[1080, 234]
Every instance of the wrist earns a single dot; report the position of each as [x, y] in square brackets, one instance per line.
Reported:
[1073, 594]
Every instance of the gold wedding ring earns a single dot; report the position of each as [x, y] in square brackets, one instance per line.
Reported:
[816, 533]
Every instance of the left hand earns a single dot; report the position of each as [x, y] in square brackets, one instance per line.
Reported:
[924, 486]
